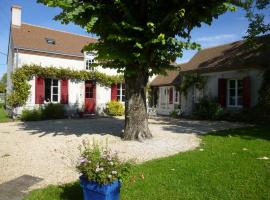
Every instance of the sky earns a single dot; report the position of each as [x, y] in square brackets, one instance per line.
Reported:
[227, 28]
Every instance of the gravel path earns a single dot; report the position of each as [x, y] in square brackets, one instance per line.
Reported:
[47, 150]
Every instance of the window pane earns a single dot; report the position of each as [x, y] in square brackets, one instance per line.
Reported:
[240, 101]
[123, 98]
[55, 82]
[48, 83]
[118, 98]
[240, 83]
[232, 101]
[55, 97]
[55, 90]
[232, 92]
[232, 83]
[118, 86]
[118, 92]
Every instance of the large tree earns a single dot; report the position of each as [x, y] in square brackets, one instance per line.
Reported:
[139, 38]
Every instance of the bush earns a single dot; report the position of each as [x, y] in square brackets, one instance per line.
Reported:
[256, 115]
[208, 109]
[100, 165]
[50, 111]
[115, 108]
[53, 111]
[31, 115]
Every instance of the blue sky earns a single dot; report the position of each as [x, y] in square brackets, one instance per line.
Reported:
[227, 28]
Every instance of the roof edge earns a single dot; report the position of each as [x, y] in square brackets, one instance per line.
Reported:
[49, 52]
[59, 30]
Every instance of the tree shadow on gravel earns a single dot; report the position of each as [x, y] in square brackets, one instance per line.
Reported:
[78, 127]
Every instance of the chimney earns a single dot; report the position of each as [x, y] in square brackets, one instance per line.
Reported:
[16, 16]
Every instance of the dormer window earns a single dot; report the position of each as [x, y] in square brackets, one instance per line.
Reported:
[50, 41]
[89, 60]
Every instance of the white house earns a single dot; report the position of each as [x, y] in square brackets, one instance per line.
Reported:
[31, 44]
[233, 74]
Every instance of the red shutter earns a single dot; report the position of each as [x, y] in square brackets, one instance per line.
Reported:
[222, 91]
[64, 91]
[171, 95]
[246, 92]
[39, 99]
[114, 92]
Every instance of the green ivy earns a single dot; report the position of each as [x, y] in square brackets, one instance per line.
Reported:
[21, 87]
[190, 80]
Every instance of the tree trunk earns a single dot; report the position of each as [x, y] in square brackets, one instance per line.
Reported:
[136, 117]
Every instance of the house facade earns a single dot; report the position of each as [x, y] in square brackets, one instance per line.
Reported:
[232, 76]
[166, 96]
[31, 44]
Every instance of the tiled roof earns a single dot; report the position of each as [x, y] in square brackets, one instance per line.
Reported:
[230, 56]
[34, 38]
[171, 78]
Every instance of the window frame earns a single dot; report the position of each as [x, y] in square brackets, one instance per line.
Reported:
[174, 95]
[52, 86]
[89, 59]
[236, 105]
[119, 96]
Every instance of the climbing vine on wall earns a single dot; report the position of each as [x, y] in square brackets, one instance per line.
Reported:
[190, 80]
[21, 87]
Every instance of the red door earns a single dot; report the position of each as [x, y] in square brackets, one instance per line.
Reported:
[90, 97]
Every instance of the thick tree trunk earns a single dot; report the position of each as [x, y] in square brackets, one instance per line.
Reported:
[136, 117]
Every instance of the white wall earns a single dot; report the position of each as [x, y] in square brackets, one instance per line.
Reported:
[211, 87]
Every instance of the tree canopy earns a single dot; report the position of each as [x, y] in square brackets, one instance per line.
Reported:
[137, 34]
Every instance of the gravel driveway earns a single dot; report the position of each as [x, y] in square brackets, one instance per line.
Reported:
[47, 150]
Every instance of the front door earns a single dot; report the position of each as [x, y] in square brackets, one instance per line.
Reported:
[90, 97]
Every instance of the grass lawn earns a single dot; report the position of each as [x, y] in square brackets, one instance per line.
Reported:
[3, 115]
[226, 166]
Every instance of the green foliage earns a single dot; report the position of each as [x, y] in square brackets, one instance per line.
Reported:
[258, 24]
[100, 165]
[53, 111]
[208, 110]
[176, 113]
[143, 36]
[265, 90]
[49, 111]
[226, 161]
[31, 115]
[3, 83]
[115, 108]
[190, 80]
[21, 87]
[3, 114]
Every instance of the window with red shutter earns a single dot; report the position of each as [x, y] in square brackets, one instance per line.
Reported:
[39, 98]
[64, 91]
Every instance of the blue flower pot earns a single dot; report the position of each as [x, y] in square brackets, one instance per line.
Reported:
[94, 191]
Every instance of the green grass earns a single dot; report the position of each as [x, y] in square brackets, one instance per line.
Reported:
[3, 115]
[223, 170]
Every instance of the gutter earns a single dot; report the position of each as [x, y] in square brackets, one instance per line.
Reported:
[49, 52]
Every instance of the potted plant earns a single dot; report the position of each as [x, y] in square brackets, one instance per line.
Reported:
[101, 171]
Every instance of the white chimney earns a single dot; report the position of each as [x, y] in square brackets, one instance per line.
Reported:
[16, 15]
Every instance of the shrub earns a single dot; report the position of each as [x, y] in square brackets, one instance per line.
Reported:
[208, 109]
[100, 165]
[115, 108]
[53, 111]
[31, 115]
[50, 111]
